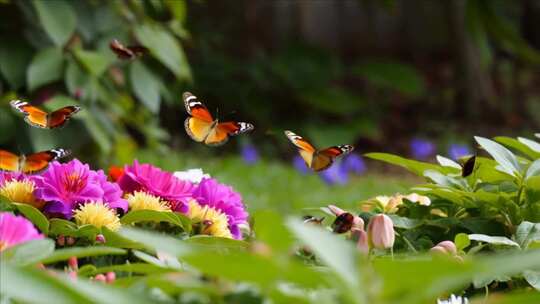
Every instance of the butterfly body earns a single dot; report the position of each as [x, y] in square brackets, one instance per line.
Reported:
[127, 52]
[317, 160]
[202, 127]
[31, 163]
[41, 119]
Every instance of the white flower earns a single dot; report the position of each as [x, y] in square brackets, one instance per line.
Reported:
[192, 175]
[454, 300]
[420, 199]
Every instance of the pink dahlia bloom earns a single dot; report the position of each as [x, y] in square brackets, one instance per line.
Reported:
[225, 199]
[153, 180]
[65, 186]
[15, 230]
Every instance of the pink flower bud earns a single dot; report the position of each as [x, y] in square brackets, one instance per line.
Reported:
[70, 240]
[361, 238]
[438, 250]
[358, 222]
[381, 232]
[100, 238]
[72, 275]
[336, 210]
[73, 264]
[447, 247]
[100, 278]
[110, 277]
[61, 240]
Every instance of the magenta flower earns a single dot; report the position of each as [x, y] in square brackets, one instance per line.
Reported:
[226, 200]
[16, 230]
[65, 186]
[153, 180]
[6, 176]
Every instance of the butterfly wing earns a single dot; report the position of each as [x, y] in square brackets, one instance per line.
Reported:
[325, 158]
[32, 115]
[40, 161]
[305, 149]
[200, 124]
[343, 223]
[120, 50]
[8, 161]
[138, 50]
[59, 117]
[468, 167]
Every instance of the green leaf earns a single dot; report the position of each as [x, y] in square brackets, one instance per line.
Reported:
[503, 156]
[443, 180]
[533, 278]
[271, 230]
[165, 48]
[462, 241]
[114, 239]
[157, 242]
[447, 162]
[533, 145]
[405, 223]
[96, 130]
[80, 252]
[152, 216]
[131, 267]
[493, 240]
[526, 233]
[35, 216]
[177, 8]
[414, 166]
[62, 227]
[58, 19]
[518, 146]
[46, 67]
[533, 170]
[29, 253]
[146, 86]
[94, 62]
[14, 58]
[214, 243]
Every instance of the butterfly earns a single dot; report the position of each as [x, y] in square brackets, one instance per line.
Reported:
[468, 166]
[32, 163]
[343, 223]
[201, 127]
[313, 220]
[127, 52]
[41, 119]
[317, 160]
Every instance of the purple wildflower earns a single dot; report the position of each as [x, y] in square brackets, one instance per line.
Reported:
[421, 148]
[250, 155]
[336, 174]
[300, 165]
[457, 151]
[223, 198]
[354, 163]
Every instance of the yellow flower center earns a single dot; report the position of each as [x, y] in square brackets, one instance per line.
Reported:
[143, 201]
[97, 214]
[213, 222]
[21, 192]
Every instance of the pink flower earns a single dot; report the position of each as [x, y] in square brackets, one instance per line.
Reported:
[446, 247]
[361, 238]
[153, 180]
[224, 199]
[381, 232]
[65, 186]
[16, 230]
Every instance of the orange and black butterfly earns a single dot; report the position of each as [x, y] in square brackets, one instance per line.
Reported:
[343, 223]
[41, 119]
[202, 127]
[317, 160]
[32, 163]
[127, 52]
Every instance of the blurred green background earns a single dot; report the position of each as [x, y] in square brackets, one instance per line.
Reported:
[376, 74]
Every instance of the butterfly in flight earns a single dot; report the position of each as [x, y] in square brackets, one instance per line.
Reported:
[127, 52]
[41, 119]
[468, 166]
[31, 163]
[202, 127]
[317, 160]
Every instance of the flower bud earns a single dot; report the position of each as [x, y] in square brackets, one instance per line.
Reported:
[61, 240]
[110, 277]
[70, 240]
[446, 247]
[361, 238]
[73, 264]
[381, 232]
[100, 238]
[100, 278]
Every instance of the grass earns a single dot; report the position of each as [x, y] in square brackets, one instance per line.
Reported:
[278, 186]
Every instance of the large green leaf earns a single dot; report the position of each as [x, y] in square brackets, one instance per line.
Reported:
[157, 242]
[533, 278]
[96, 63]
[46, 67]
[533, 170]
[14, 58]
[80, 252]
[414, 166]
[269, 228]
[62, 227]
[531, 144]
[527, 232]
[215, 243]
[153, 216]
[58, 19]
[518, 146]
[503, 156]
[146, 85]
[35, 216]
[165, 48]
[29, 252]
[493, 240]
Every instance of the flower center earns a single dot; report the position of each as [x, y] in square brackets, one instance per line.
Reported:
[73, 182]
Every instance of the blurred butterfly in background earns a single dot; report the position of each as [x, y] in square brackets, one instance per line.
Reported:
[317, 160]
[202, 127]
[32, 163]
[127, 52]
[343, 223]
[309, 219]
[41, 119]
[467, 168]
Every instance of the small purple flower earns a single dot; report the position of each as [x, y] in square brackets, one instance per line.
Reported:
[223, 198]
[153, 180]
[456, 151]
[250, 155]
[300, 165]
[65, 186]
[336, 174]
[354, 163]
[421, 148]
